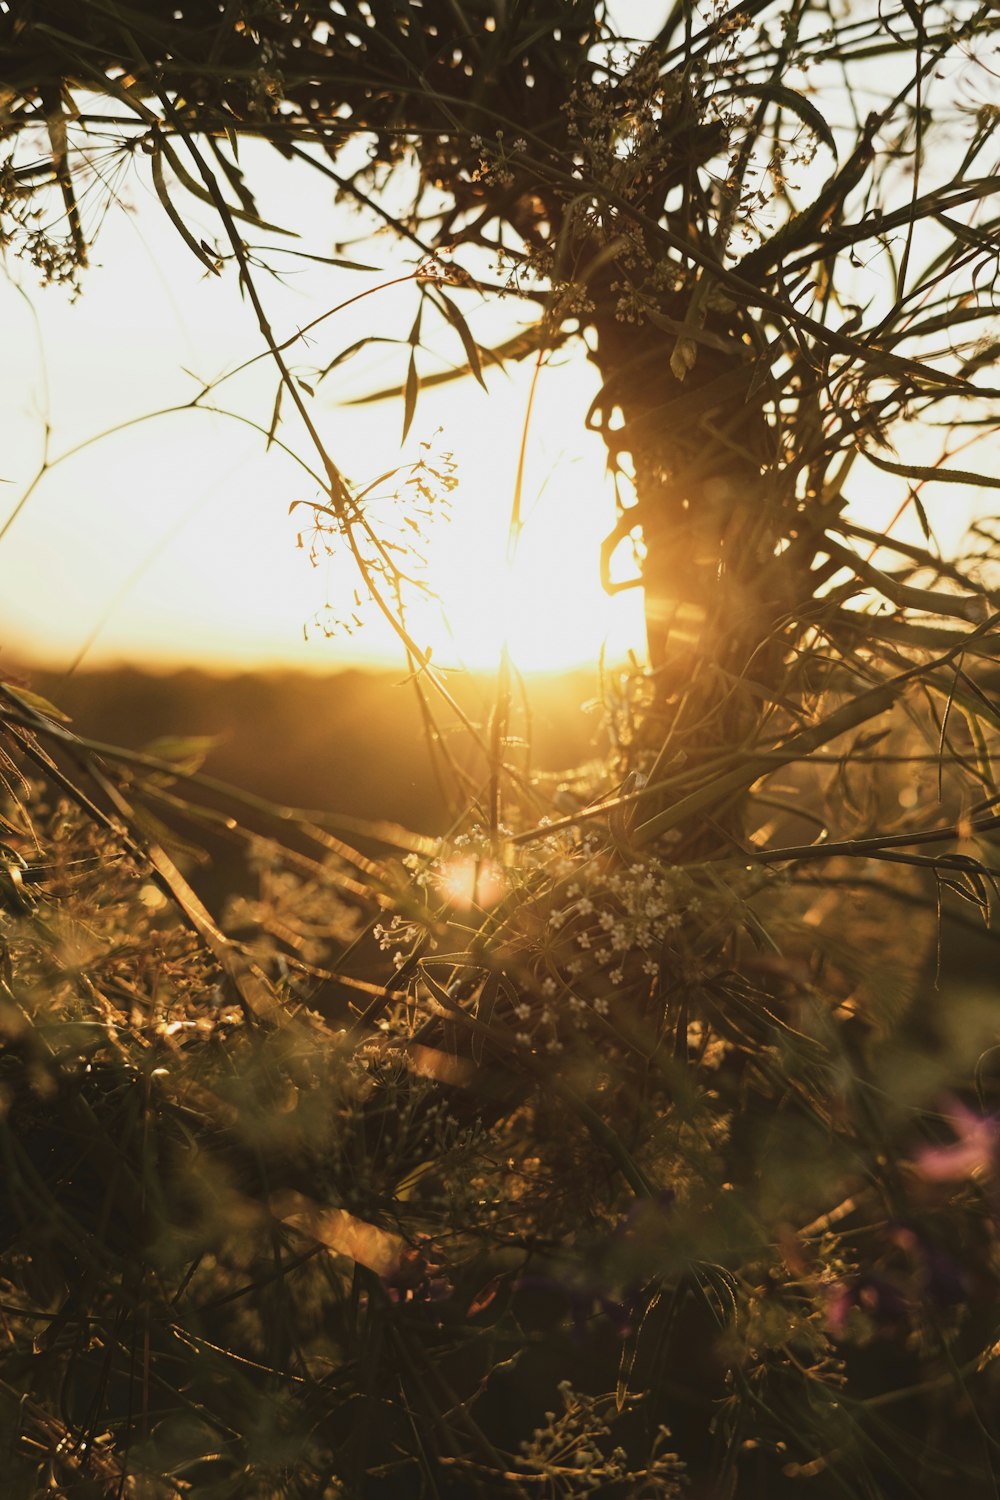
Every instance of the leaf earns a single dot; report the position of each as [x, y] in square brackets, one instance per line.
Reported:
[275, 415]
[410, 392]
[705, 799]
[187, 752]
[380, 1250]
[331, 260]
[779, 93]
[338, 359]
[37, 702]
[157, 831]
[438, 991]
[442, 1067]
[234, 177]
[161, 192]
[487, 1294]
[485, 1006]
[198, 190]
[458, 322]
[935, 475]
[519, 347]
[630, 1350]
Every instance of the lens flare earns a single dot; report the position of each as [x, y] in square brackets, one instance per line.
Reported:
[467, 881]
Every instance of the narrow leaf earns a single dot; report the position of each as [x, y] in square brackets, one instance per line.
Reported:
[275, 415]
[779, 93]
[410, 393]
[485, 1006]
[37, 702]
[198, 190]
[345, 354]
[464, 332]
[380, 1250]
[935, 475]
[161, 192]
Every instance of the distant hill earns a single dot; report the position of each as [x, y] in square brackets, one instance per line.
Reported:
[353, 742]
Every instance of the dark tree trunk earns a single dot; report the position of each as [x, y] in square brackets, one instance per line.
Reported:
[709, 500]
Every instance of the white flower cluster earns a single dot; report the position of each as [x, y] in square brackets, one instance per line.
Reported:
[635, 910]
[574, 929]
[398, 936]
[494, 158]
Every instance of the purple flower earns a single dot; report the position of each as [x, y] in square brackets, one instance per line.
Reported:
[973, 1153]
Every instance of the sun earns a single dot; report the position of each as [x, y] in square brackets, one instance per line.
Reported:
[176, 547]
[545, 605]
[540, 597]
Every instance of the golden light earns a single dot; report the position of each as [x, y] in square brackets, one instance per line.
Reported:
[470, 880]
[170, 543]
[546, 605]
[539, 597]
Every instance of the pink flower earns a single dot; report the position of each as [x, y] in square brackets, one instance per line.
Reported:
[973, 1153]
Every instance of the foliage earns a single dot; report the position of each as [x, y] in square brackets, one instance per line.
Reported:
[632, 1081]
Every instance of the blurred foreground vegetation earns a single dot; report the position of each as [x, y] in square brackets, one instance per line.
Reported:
[461, 1168]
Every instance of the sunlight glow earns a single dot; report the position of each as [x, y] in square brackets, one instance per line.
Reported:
[170, 543]
[468, 880]
[546, 603]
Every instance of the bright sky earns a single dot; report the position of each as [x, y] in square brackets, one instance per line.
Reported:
[172, 542]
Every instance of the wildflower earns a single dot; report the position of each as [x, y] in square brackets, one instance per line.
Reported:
[548, 986]
[974, 1153]
[600, 1005]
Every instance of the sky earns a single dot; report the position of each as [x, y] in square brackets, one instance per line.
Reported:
[175, 540]
[172, 542]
